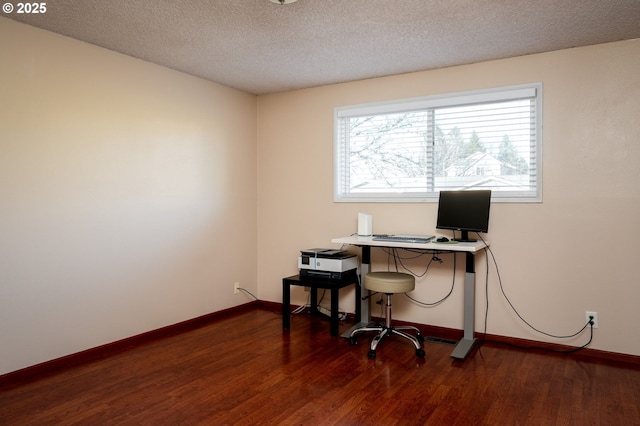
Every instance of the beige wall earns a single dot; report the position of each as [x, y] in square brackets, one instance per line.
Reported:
[127, 196]
[575, 251]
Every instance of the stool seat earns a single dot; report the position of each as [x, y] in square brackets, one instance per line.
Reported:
[389, 282]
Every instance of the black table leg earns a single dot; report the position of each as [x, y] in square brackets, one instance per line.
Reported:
[335, 295]
[314, 284]
[286, 301]
[313, 308]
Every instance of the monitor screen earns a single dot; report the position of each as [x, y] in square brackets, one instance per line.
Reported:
[464, 211]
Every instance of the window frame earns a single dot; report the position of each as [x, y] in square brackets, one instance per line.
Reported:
[496, 94]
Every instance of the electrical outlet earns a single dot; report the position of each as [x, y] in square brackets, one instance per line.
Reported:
[236, 288]
[589, 314]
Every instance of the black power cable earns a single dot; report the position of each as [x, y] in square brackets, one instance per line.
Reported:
[589, 323]
[392, 254]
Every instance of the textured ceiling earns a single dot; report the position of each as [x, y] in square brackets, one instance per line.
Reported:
[261, 47]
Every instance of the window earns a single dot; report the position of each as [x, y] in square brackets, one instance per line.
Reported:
[411, 149]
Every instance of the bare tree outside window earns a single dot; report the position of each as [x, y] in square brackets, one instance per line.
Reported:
[414, 154]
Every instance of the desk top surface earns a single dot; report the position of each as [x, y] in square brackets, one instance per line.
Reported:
[357, 240]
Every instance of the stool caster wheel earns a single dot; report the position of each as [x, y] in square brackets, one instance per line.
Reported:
[353, 340]
[420, 338]
[420, 353]
[372, 354]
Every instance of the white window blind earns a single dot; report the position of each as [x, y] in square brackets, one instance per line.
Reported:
[409, 150]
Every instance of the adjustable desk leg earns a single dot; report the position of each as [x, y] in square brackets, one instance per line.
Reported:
[358, 305]
[465, 345]
[364, 314]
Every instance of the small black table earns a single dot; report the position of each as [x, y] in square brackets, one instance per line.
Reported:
[314, 283]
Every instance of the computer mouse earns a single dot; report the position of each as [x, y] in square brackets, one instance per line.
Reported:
[442, 240]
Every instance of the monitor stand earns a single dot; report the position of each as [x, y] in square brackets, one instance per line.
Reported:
[464, 238]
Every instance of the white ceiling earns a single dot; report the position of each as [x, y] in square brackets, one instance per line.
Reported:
[261, 47]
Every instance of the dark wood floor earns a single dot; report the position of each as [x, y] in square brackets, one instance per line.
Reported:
[246, 370]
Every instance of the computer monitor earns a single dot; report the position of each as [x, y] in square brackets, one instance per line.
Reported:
[464, 211]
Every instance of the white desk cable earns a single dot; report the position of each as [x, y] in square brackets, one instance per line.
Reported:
[325, 311]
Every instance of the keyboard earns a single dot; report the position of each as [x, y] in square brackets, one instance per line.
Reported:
[419, 239]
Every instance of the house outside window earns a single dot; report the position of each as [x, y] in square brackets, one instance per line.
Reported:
[409, 150]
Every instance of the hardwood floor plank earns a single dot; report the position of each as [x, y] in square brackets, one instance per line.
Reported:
[247, 370]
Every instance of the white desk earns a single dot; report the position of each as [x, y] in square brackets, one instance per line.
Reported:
[465, 345]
